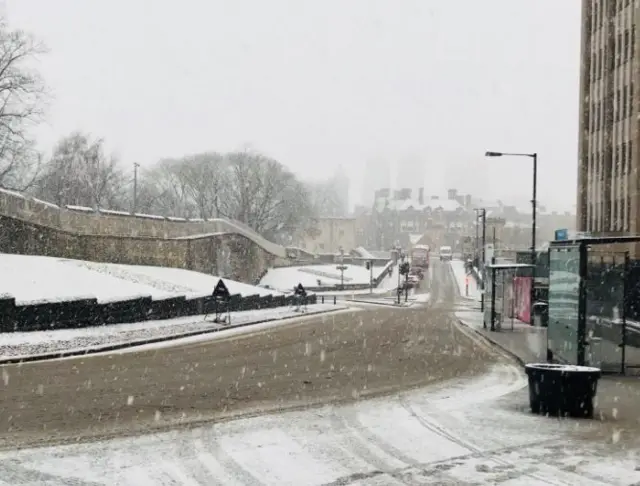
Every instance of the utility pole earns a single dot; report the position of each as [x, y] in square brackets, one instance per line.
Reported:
[135, 186]
[484, 257]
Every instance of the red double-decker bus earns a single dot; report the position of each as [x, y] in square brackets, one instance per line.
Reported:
[420, 256]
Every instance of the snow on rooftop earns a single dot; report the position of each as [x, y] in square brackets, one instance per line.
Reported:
[447, 205]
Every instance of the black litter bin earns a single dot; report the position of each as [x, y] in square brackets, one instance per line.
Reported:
[560, 390]
[541, 314]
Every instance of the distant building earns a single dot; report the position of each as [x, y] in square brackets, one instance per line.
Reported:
[340, 184]
[328, 235]
[404, 218]
[410, 173]
[401, 216]
[377, 174]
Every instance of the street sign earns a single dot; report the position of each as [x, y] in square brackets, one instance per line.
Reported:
[300, 296]
[300, 291]
[561, 234]
[341, 267]
[221, 291]
[220, 294]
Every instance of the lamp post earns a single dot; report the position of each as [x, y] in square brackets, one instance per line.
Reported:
[135, 186]
[534, 157]
[483, 213]
[341, 267]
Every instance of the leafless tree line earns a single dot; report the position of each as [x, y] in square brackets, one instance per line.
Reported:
[244, 185]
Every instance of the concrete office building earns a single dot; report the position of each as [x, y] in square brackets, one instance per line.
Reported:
[608, 179]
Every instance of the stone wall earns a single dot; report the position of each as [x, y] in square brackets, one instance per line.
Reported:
[218, 247]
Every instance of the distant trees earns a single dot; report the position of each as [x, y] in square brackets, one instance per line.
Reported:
[22, 103]
[80, 173]
[244, 186]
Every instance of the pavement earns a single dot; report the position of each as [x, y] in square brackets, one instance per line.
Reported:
[618, 398]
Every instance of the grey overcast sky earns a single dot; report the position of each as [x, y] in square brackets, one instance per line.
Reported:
[322, 83]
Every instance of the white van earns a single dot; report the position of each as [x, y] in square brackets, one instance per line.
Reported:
[445, 253]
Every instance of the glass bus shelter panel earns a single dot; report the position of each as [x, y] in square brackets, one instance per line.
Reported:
[632, 317]
[564, 302]
[487, 297]
[604, 311]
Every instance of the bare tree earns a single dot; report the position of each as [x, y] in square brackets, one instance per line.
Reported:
[79, 173]
[243, 186]
[325, 199]
[206, 178]
[172, 194]
[22, 101]
[264, 195]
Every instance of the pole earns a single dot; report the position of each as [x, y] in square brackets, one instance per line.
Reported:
[484, 273]
[371, 276]
[533, 235]
[135, 186]
[477, 239]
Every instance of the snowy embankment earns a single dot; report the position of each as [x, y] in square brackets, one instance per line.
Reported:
[314, 276]
[34, 279]
[460, 275]
[459, 432]
[92, 339]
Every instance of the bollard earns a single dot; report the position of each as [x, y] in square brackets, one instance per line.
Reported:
[323, 299]
[334, 300]
[466, 286]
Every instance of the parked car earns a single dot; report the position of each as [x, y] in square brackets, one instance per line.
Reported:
[417, 271]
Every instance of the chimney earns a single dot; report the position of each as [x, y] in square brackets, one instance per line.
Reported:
[421, 195]
[451, 194]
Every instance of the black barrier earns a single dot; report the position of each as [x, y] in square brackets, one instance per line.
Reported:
[235, 302]
[7, 314]
[89, 313]
[167, 308]
[251, 302]
[55, 315]
[132, 310]
[266, 302]
[195, 306]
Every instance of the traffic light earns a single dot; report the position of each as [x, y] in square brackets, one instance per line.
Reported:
[404, 268]
[368, 265]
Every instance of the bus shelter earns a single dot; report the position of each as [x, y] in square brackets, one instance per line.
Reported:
[594, 303]
[503, 294]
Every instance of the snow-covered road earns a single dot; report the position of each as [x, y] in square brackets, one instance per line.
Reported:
[463, 432]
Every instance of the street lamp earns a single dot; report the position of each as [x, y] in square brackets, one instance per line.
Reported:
[135, 186]
[342, 267]
[483, 213]
[533, 156]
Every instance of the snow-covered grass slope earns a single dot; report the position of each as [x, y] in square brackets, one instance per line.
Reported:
[32, 279]
[285, 278]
